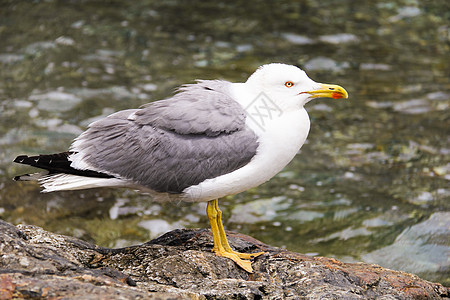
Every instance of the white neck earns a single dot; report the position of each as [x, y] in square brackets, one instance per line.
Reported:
[279, 136]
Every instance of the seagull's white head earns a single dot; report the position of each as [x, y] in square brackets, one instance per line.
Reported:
[289, 87]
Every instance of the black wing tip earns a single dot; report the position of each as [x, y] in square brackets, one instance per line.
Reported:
[20, 159]
[55, 163]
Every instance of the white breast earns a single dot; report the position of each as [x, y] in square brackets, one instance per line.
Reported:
[279, 141]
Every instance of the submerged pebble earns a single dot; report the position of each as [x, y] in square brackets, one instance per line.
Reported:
[420, 248]
[324, 63]
[339, 38]
[55, 101]
[297, 39]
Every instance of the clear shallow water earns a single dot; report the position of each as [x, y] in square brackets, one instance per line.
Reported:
[371, 184]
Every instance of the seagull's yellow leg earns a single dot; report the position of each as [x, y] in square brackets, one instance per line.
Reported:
[223, 237]
[221, 246]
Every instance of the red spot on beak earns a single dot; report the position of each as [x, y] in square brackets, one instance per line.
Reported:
[337, 95]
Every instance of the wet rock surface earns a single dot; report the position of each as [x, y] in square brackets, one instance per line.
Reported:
[35, 263]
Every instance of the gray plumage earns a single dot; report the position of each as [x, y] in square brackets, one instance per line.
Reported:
[171, 144]
[202, 108]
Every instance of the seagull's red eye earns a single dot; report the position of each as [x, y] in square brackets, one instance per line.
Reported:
[288, 84]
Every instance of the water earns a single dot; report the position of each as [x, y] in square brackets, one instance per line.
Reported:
[372, 182]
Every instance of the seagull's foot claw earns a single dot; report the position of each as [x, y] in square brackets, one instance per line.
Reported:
[248, 255]
[234, 256]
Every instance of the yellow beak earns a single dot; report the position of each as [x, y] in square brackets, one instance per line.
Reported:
[329, 91]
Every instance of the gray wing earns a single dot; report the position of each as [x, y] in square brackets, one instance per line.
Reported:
[172, 144]
[202, 108]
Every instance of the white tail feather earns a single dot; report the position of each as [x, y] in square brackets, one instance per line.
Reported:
[67, 182]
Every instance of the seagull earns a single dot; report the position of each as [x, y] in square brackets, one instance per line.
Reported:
[211, 139]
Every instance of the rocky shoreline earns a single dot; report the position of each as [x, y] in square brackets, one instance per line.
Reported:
[37, 264]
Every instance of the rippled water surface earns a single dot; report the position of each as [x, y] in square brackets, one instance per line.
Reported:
[372, 182]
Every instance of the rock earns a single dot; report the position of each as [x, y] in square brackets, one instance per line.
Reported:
[35, 263]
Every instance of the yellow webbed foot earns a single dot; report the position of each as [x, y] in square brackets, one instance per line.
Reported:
[244, 264]
[221, 246]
